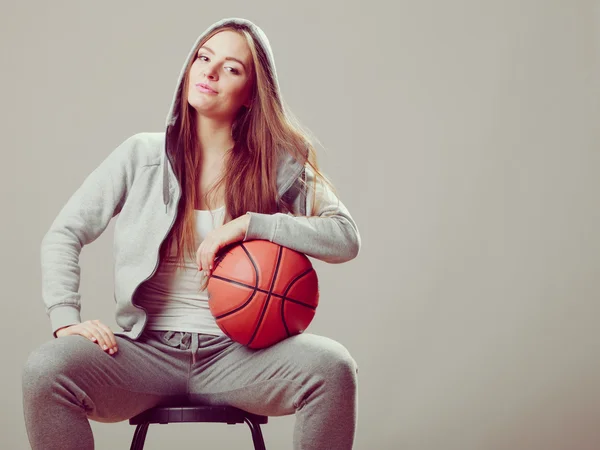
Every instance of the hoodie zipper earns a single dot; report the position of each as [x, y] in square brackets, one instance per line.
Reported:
[155, 264]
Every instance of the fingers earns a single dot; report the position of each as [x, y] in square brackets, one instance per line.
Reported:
[222, 236]
[109, 341]
[97, 332]
[207, 262]
[88, 333]
[205, 257]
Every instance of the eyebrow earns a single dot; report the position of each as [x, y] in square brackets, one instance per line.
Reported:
[228, 58]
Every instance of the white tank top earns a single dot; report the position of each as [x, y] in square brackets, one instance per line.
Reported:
[172, 296]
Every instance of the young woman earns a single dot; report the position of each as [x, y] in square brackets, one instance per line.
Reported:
[231, 166]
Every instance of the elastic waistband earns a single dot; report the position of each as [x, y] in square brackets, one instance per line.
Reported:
[185, 339]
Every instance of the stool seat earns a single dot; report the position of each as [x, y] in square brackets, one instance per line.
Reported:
[196, 413]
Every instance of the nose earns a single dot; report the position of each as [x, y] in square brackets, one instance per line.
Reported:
[210, 72]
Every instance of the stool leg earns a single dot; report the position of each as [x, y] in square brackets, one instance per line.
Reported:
[139, 437]
[257, 437]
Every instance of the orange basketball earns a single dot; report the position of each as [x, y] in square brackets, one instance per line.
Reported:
[261, 293]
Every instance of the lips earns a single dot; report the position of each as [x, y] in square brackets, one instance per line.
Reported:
[206, 86]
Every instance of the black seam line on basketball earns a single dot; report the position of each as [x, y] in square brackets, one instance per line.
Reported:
[239, 283]
[238, 308]
[254, 264]
[263, 291]
[255, 286]
[287, 331]
[264, 309]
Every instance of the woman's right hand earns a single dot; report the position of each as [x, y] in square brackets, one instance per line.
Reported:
[95, 331]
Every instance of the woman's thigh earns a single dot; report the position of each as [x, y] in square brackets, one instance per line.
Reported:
[275, 380]
[110, 388]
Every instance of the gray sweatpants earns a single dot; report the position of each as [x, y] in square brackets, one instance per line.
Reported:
[68, 380]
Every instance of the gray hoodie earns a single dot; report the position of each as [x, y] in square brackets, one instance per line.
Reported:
[136, 184]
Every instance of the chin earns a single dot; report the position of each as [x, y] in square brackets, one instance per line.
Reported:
[201, 107]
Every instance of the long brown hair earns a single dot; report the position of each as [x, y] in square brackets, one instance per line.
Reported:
[260, 132]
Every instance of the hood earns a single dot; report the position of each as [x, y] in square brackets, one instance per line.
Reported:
[288, 168]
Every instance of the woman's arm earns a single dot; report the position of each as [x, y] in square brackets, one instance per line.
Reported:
[330, 235]
[82, 219]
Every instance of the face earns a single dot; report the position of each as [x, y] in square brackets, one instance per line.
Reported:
[224, 65]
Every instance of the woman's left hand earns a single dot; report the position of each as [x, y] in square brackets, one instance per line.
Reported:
[218, 238]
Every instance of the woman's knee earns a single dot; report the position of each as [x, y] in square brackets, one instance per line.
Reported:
[327, 357]
[52, 359]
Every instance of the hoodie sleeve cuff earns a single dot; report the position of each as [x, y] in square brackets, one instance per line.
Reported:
[62, 316]
[261, 226]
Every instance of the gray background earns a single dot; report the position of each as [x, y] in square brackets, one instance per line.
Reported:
[462, 136]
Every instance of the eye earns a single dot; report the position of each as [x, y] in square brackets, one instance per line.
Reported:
[205, 58]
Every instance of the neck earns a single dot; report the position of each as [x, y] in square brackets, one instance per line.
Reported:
[214, 137]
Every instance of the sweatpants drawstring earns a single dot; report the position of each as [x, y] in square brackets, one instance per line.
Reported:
[194, 346]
